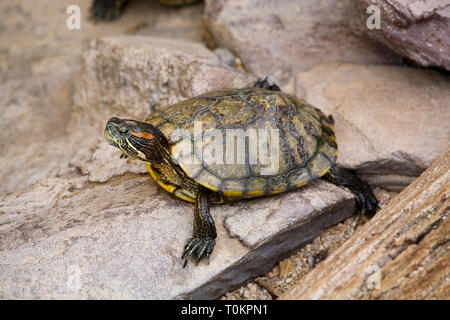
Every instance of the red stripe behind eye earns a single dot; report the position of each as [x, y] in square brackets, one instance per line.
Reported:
[145, 135]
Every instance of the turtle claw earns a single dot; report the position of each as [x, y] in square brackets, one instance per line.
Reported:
[201, 247]
[268, 83]
[367, 203]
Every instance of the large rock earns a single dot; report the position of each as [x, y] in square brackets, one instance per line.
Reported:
[418, 30]
[401, 253]
[103, 230]
[280, 37]
[128, 77]
[391, 122]
[39, 60]
[78, 221]
[71, 238]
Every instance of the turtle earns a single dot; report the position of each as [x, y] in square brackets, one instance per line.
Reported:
[108, 10]
[183, 146]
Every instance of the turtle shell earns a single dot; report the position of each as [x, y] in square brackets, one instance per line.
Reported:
[245, 143]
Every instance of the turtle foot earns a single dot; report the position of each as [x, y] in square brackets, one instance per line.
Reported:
[267, 83]
[366, 202]
[200, 247]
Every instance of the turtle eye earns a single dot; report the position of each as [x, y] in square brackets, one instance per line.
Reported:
[123, 130]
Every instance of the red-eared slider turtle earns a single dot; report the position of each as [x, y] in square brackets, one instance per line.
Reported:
[112, 9]
[247, 125]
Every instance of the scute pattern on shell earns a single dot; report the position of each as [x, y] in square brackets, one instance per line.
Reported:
[307, 145]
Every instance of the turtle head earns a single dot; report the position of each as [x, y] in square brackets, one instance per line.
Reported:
[139, 140]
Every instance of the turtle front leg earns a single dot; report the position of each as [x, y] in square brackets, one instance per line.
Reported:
[365, 198]
[203, 240]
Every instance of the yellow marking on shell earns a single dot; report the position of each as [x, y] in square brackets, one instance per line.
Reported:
[210, 187]
[169, 188]
[277, 191]
[255, 192]
[301, 184]
[232, 194]
[324, 172]
[145, 135]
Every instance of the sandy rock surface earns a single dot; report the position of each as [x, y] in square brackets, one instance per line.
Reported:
[74, 231]
[78, 239]
[77, 221]
[39, 60]
[130, 75]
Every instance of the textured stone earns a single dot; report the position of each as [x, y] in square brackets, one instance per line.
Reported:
[401, 253]
[128, 76]
[79, 222]
[418, 30]
[39, 60]
[76, 221]
[391, 122]
[262, 221]
[281, 37]
[71, 238]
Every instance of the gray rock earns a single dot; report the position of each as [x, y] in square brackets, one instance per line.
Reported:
[226, 56]
[123, 239]
[418, 30]
[130, 75]
[89, 225]
[39, 60]
[79, 222]
[281, 37]
[391, 122]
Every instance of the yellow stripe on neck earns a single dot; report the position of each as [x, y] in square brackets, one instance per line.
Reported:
[169, 188]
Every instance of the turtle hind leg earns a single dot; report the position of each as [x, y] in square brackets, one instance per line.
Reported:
[267, 83]
[202, 242]
[365, 199]
[107, 10]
